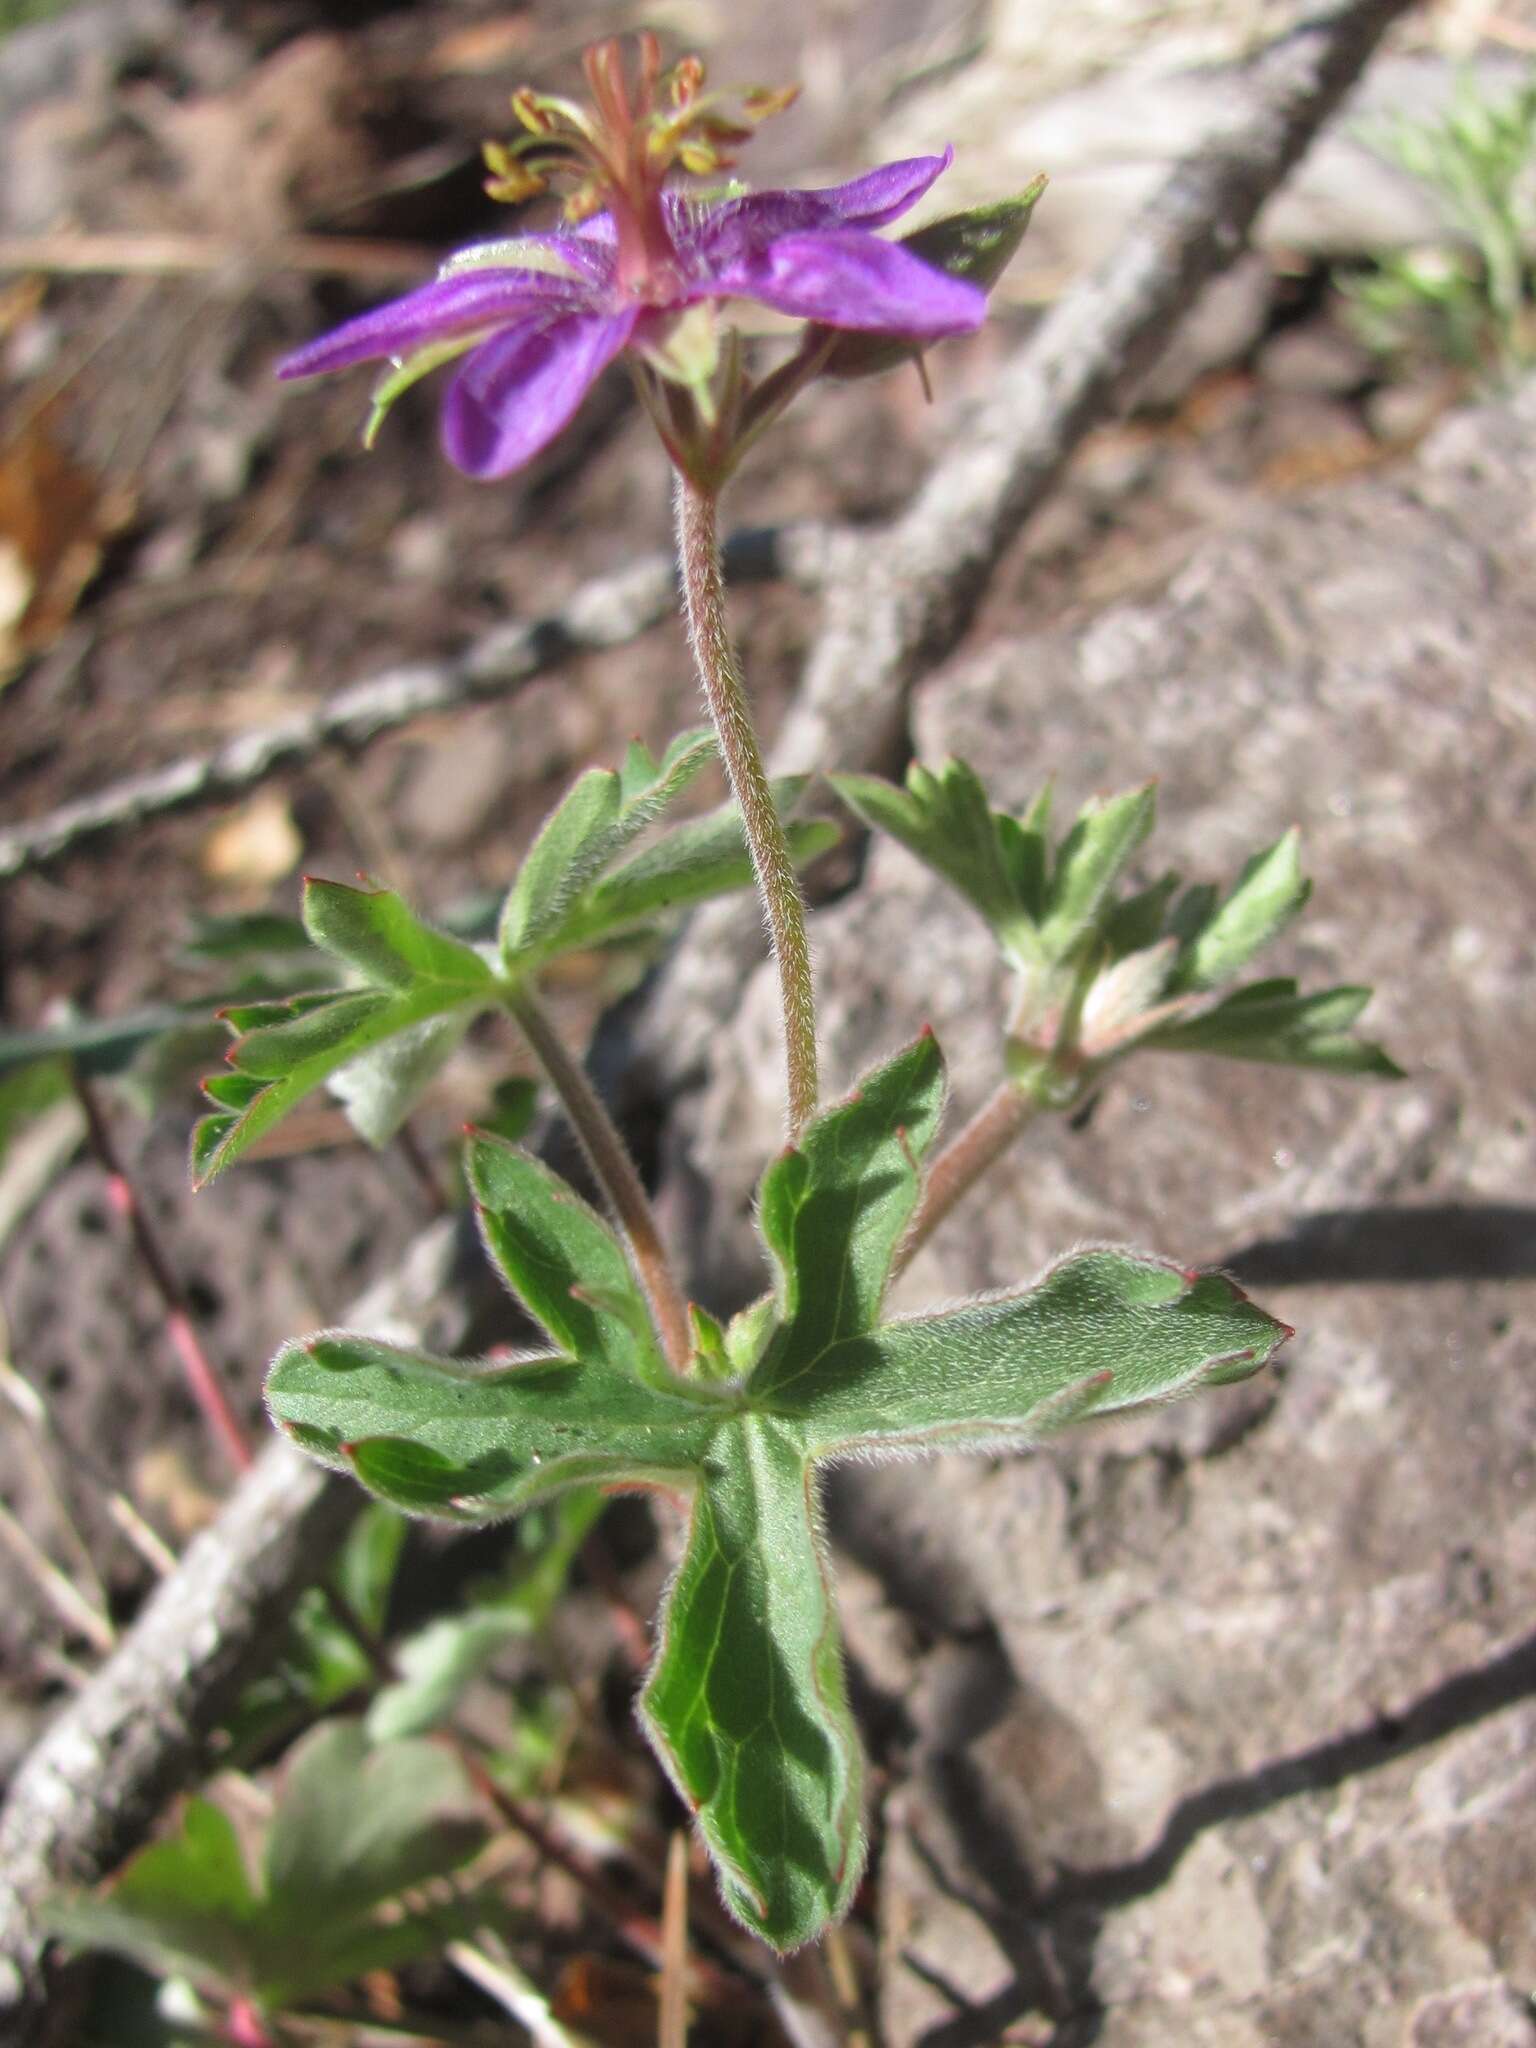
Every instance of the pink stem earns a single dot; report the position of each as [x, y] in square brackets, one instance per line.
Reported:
[202, 1375]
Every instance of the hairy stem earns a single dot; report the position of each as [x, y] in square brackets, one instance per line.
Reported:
[614, 1172]
[963, 1161]
[778, 884]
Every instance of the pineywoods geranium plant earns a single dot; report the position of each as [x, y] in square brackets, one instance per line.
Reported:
[637, 1386]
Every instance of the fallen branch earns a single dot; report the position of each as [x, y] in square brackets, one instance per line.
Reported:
[604, 613]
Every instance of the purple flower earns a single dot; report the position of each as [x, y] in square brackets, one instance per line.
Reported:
[537, 319]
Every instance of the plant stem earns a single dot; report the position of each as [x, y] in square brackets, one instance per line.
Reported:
[963, 1161]
[778, 884]
[202, 1374]
[614, 1172]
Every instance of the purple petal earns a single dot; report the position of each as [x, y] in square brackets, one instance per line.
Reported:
[440, 311]
[738, 228]
[566, 246]
[847, 278]
[517, 390]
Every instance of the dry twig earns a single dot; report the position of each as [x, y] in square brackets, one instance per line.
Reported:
[604, 613]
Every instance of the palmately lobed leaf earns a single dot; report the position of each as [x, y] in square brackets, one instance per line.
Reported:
[944, 818]
[1101, 1331]
[1272, 1022]
[309, 1042]
[1270, 891]
[562, 1261]
[383, 1042]
[746, 1702]
[1104, 839]
[377, 933]
[833, 1209]
[356, 1826]
[183, 1906]
[467, 1442]
[706, 857]
[601, 816]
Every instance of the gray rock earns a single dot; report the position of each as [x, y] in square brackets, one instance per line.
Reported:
[1316, 360]
[1108, 107]
[1486, 2015]
[1256, 1762]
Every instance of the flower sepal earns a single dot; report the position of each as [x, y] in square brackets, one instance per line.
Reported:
[974, 247]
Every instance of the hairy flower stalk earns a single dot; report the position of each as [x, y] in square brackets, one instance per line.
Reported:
[639, 269]
[778, 884]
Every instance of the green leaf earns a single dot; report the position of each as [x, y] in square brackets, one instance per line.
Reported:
[976, 246]
[437, 1665]
[355, 1828]
[706, 857]
[1103, 1330]
[1025, 856]
[710, 1359]
[746, 1701]
[603, 814]
[358, 1824]
[1089, 863]
[944, 818]
[183, 1907]
[471, 1443]
[378, 1046]
[377, 933]
[1270, 1021]
[749, 1332]
[1139, 921]
[314, 1038]
[513, 1109]
[321, 1660]
[562, 1261]
[833, 1209]
[41, 1126]
[1268, 894]
[379, 1089]
[365, 1567]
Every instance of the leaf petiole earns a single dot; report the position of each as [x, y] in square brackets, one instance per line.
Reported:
[612, 1167]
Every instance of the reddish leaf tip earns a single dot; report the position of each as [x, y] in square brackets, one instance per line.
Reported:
[348, 1450]
[926, 1032]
